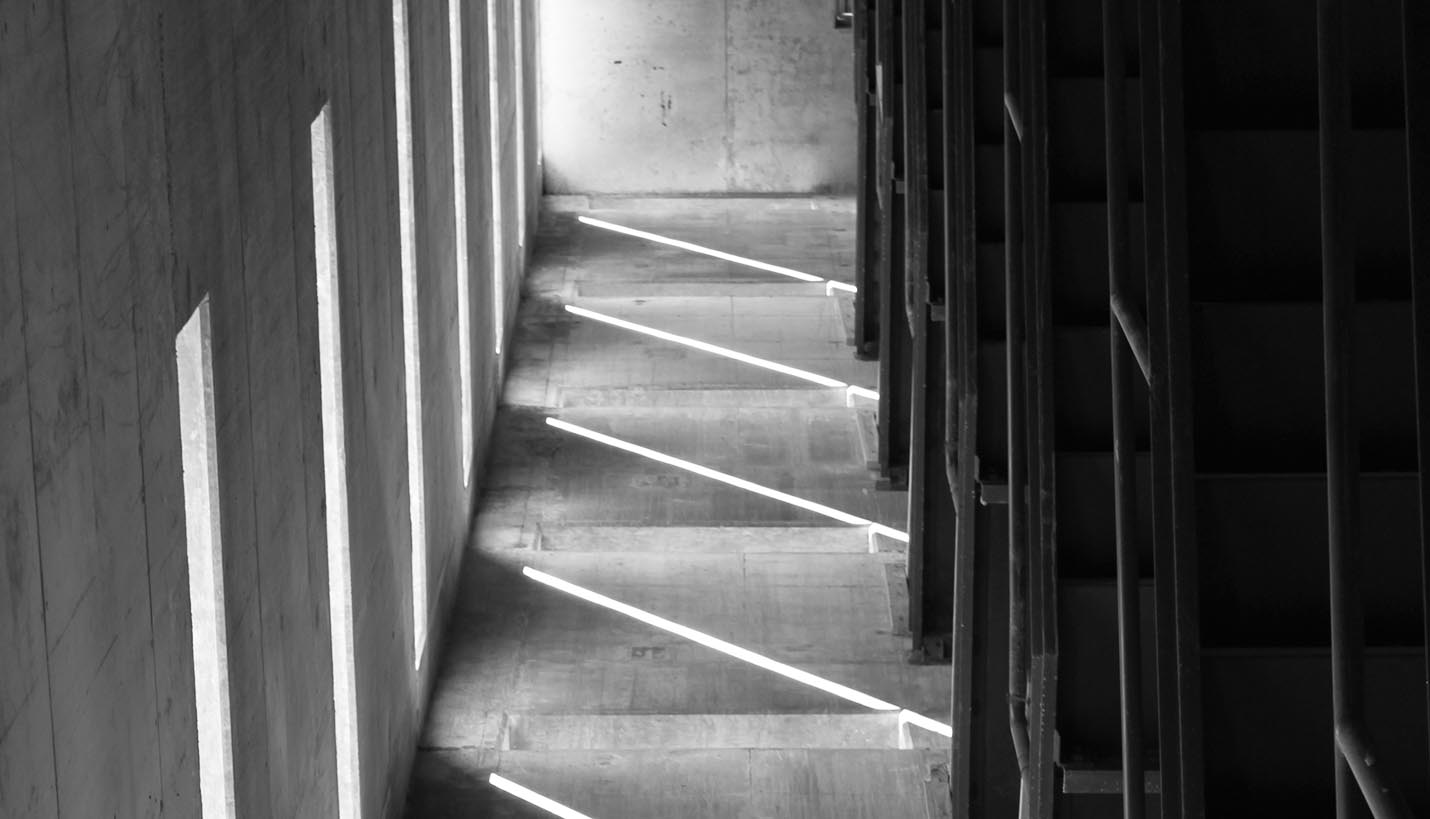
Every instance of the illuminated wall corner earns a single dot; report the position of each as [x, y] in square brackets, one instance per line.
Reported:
[335, 472]
[497, 220]
[193, 352]
[459, 196]
[411, 339]
[519, 84]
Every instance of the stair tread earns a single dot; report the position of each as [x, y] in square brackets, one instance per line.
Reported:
[872, 730]
[691, 784]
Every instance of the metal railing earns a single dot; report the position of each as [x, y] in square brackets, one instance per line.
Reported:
[1416, 34]
[1015, 271]
[1127, 335]
[1357, 775]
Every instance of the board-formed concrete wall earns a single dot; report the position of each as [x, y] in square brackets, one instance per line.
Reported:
[154, 153]
[696, 96]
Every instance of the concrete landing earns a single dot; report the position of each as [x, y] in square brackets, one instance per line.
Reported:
[616, 717]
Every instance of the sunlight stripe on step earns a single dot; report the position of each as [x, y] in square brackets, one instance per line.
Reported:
[743, 654]
[694, 248]
[713, 643]
[731, 480]
[531, 797]
[823, 381]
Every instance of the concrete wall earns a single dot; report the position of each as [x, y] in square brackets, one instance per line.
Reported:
[696, 96]
[154, 153]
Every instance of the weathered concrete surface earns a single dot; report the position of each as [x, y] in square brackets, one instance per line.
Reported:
[154, 153]
[696, 96]
[615, 717]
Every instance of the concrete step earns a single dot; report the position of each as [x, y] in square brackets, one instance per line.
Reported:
[634, 732]
[776, 286]
[730, 572]
[670, 398]
[796, 440]
[706, 539]
[483, 682]
[689, 784]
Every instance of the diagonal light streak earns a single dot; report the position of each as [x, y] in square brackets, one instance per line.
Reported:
[707, 251]
[714, 643]
[743, 654]
[816, 378]
[862, 392]
[926, 723]
[731, 480]
[531, 797]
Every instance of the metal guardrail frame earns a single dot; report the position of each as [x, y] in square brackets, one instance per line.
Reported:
[1180, 729]
[1356, 770]
[866, 234]
[1416, 28]
[1016, 366]
[1041, 507]
[1124, 454]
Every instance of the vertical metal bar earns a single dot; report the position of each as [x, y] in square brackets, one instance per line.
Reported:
[918, 532]
[916, 183]
[866, 254]
[1124, 454]
[1164, 573]
[930, 501]
[1016, 368]
[915, 268]
[964, 746]
[952, 79]
[1416, 16]
[1355, 768]
[1338, 321]
[1339, 328]
[963, 174]
[895, 349]
[1181, 457]
[1040, 502]
[893, 326]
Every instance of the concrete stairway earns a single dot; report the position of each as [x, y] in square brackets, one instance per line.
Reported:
[614, 717]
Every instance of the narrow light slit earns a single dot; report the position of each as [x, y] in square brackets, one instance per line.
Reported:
[203, 530]
[335, 467]
[411, 343]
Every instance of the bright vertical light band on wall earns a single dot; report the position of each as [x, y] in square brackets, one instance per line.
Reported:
[519, 63]
[193, 354]
[531, 797]
[731, 480]
[498, 227]
[701, 249]
[459, 206]
[335, 467]
[416, 476]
